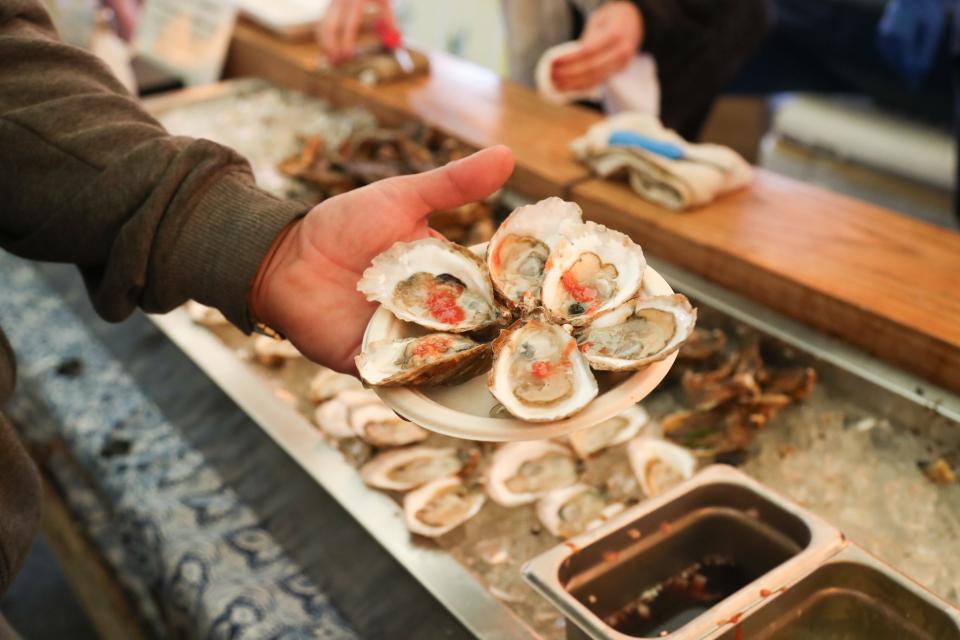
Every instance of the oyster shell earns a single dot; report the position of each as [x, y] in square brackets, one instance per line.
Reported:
[378, 425]
[570, 511]
[333, 416]
[608, 433]
[405, 469]
[327, 383]
[435, 358]
[659, 465]
[592, 270]
[271, 352]
[521, 472]
[518, 251]
[638, 333]
[434, 283]
[538, 374]
[441, 506]
[207, 316]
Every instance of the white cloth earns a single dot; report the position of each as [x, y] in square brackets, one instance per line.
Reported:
[635, 88]
[708, 170]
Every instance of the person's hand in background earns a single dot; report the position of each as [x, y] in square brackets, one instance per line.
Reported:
[306, 287]
[337, 31]
[612, 35]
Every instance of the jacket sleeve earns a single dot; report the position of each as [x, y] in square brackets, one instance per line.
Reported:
[87, 177]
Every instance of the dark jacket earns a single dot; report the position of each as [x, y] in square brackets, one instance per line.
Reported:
[87, 177]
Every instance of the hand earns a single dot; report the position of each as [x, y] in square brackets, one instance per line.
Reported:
[613, 34]
[337, 31]
[307, 286]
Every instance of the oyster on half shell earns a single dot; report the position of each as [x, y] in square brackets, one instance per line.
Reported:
[435, 358]
[659, 465]
[538, 374]
[570, 511]
[434, 283]
[381, 427]
[333, 416]
[610, 432]
[638, 333]
[411, 467]
[521, 472]
[518, 252]
[592, 270]
[441, 506]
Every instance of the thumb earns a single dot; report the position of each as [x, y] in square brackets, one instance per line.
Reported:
[468, 180]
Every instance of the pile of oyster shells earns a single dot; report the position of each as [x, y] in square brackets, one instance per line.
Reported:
[565, 295]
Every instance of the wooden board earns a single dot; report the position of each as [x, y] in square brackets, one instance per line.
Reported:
[881, 281]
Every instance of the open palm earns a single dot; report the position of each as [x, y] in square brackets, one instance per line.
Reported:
[308, 288]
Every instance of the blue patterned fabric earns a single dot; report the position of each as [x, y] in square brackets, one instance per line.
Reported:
[194, 557]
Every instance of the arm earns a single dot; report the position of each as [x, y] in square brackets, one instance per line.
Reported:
[87, 177]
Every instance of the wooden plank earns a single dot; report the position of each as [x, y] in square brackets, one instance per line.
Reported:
[883, 282]
[880, 280]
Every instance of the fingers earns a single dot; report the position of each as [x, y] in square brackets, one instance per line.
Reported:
[351, 25]
[328, 28]
[468, 180]
[592, 71]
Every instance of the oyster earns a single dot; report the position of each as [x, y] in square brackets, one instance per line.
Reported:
[333, 416]
[405, 469]
[638, 333]
[659, 464]
[271, 352]
[435, 358]
[592, 270]
[608, 433]
[434, 283]
[328, 383]
[521, 472]
[441, 506]
[207, 316]
[572, 510]
[518, 251]
[381, 427]
[538, 374]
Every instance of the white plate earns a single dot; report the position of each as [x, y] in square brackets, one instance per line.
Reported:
[463, 410]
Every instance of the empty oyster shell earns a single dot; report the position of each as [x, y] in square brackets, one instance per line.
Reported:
[608, 433]
[271, 352]
[435, 358]
[538, 374]
[207, 316]
[592, 270]
[333, 416]
[518, 251]
[659, 464]
[440, 506]
[572, 510]
[328, 383]
[521, 472]
[638, 333]
[405, 469]
[381, 427]
[434, 283]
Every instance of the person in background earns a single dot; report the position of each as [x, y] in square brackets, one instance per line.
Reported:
[151, 220]
[698, 45]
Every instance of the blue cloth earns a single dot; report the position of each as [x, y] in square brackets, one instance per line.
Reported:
[193, 557]
[909, 36]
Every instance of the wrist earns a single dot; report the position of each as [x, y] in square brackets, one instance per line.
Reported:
[281, 251]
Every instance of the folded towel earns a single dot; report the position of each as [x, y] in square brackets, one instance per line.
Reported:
[635, 88]
[661, 166]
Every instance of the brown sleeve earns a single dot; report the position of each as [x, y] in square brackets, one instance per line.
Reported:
[19, 504]
[87, 177]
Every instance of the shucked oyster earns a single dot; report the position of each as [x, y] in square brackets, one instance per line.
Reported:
[518, 251]
[538, 374]
[659, 465]
[381, 427]
[521, 472]
[327, 383]
[592, 270]
[435, 358]
[608, 433]
[440, 506]
[404, 469]
[572, 510]
[333, 416]
[434, 283]
[638, 333]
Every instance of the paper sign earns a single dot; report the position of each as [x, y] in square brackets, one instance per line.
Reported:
[187, 37]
